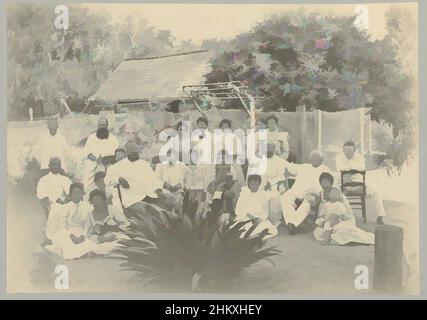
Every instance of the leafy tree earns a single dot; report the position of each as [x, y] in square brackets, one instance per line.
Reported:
[322, 62]
[45, 64]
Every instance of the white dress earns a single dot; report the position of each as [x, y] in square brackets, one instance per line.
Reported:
[345, 231]
[255, 204]
[280, 141]
[70, 219]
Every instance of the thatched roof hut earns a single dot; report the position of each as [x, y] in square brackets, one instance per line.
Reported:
[154, 79]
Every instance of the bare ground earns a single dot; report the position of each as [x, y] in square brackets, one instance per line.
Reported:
[305, 266]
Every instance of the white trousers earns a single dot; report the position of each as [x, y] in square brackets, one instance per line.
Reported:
[67, 248]
[374, 204]
[265, 224]
[290, 213]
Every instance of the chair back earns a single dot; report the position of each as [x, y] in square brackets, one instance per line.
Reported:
[361, 184]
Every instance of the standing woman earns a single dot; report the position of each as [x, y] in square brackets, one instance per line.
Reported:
[277, 137]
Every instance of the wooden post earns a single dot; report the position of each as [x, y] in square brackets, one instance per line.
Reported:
[370, 134]
[301, 142]
[388, 259]
[252, 111]
[319, 131]
[362, 131]
[64, 102]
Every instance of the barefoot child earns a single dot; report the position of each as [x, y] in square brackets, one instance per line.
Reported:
[331, 213]
[336, 223]
[105, 222]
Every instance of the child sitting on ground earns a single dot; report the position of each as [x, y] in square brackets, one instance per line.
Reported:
[105, 225]
[331, 213]
[99, 180]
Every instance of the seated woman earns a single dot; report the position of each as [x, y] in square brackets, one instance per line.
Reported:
[253, 204]
[69, 224]
[277, 137]
[336, 223]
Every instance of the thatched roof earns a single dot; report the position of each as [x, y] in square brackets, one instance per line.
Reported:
[155, 77]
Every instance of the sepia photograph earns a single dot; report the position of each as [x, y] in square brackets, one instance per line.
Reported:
[218, 148]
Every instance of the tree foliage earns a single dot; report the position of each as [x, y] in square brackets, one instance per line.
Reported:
[45, 64]
[322, 62]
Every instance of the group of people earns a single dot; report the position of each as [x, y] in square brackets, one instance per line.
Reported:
[91, 215]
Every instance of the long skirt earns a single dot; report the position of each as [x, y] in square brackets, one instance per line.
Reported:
[344, 233]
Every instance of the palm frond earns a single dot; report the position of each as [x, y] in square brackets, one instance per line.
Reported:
[164, 249]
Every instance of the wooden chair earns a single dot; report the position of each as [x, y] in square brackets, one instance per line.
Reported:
[355, 197]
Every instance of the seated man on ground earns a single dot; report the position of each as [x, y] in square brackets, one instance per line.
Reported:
[349, 159]
[273, 177]
[137, 184]
[253, 205]
[274, 171]
[336, 223]
[298, 200]
[225, 191]
[53, 187]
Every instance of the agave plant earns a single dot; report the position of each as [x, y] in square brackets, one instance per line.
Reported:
[176, 252]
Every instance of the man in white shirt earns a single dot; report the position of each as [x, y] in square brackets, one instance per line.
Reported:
[51, 144]
[137, 181]
[272, 172]
[102, 142]
[53, 187]
[273, 179]
[349, 159]
[296, 202]
[254, 203]
[98, 145]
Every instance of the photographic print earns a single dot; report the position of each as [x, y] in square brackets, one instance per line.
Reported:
[212, 148]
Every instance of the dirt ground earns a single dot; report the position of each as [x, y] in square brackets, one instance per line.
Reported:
[305, 266]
